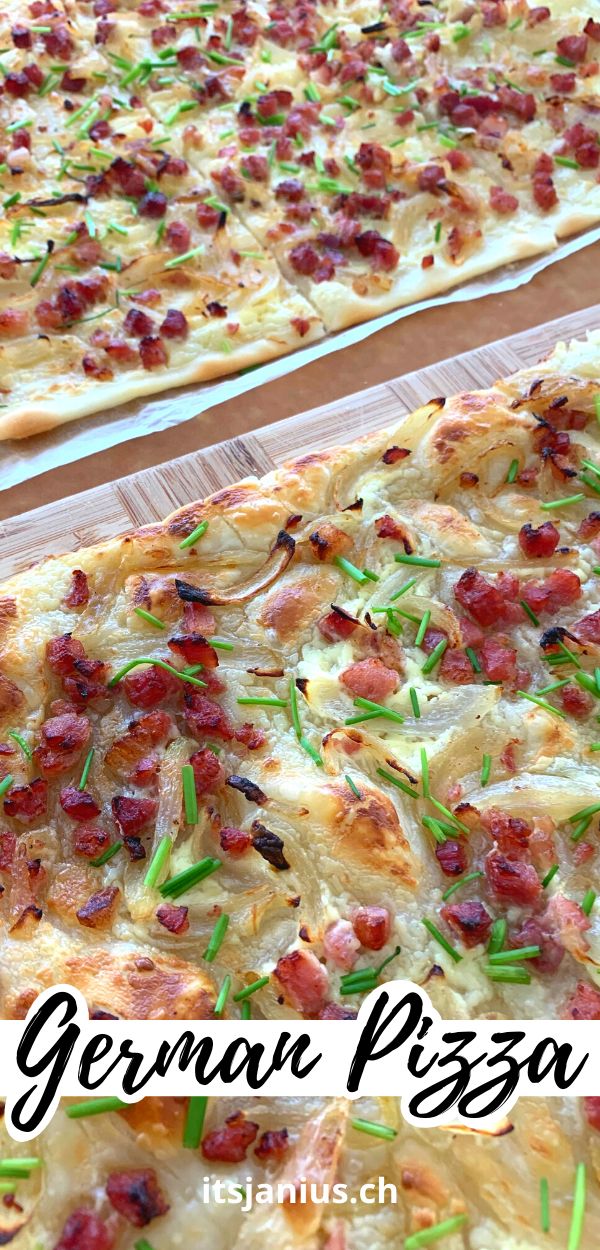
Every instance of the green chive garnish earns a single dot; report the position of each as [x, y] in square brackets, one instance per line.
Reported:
[194, 1122]
[40, 269]
[515, 956]
[152, 620]
[563, 503]
[529, 612]
[397, 781]
[375, 1130]
[158, 861]
[456, 885]
[414, 702]
[142, 1244]
[190, 798]
[184, 881]
[106, 855]
[550, 875]
[263, 702]
[578, 1213]
[581, 828]
[497, 936]
[20, 742]
[486, 768]
[245, 1010]
[475, 665]
[422, 561]
[588, 902]
[435, 656]
[543, 703]
[94, 1106]
[223, 996]
[248, 990]
[5, 784]
[427, 1236]
[507, 974]
[424, 773]
[435, 827]
[356, 792]
[19, 1169]
[203, 526]
[171, 264]
[195, 681]
[439, 937]
[311, 750]
[386, 712]
[545, 1204]
[512, 472]
[294, 708]
[422, 630]
[405, 588]
[347, 567]
[216, 938]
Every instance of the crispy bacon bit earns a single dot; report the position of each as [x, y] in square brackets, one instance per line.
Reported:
[235, 841]
[591, 1105]
[479, 597]
[152, 351]
[230, 1143]
[209, 773]
[132, 816]
[79, 592]
[173, 918]
[59, 44]
[269, 846]
[540, 13]
[90, 841]
[534, 932]
[393, 455]
[372, 926]
[13, 322]
[340, 944]
[178, 237]
[195, 649]
[512, 879]
[584, 1003]
[63, 653]
[510, 833]
[8, 843]
[387, 527]
[540, 542]
[152, 204]
[83, 680]
[558, 590]
[78, 804]
[588, 628]
[329, 541]
[502, 201]
[138, 323]
[380, 252]
[592, 29]
[574, 47]
[370, 679]
[98, 911]
[136, 1195]
[175, 325]
[470, 921]
[146, 687]
[499, 660]
[21, 36]
[250, 736]
[273, 1144]
[63, 740]
[204, 716]
[249, 789]
[452, 857]
[85, 1229]
[575, 701]
[544, 191]
[304, 981]
[337, 624]
[27, 803]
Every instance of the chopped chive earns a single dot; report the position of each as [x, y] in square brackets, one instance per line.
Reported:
[581, 828]
[591, 482]
[587, 683]
[475, 665]
[425, 773]
[588, 902]
[242, 995]
[142, 1244]
[194, 1122]
[86, 769]
[486, 768]
[497, 936]
[387, 713]
[543, 703]
[347, 567]
[446, 812]
[190, 798]
[515, 956]
[294, 708]
[148, 616]
[217, 938]
[545, 1204]
[578, 1212]
[21, 742]
[311, 93]
[94, 1106]
[435, 827]
[563, 503]
[422, 561]
[513, 470]
[396, 781]
[550, 875]
[40, 268]
[375, 1130]
[404, 589]
[311, 750]
[507, 974]
[19, 1168]
[189, 877]
[171, 264]
[245, 1010]
[456, 885]
[414, 700]
[203, 526]
[439, 937]
[223, 995]
[356, 792]
[195, 681]
[250, 701]
[426, 1236]
[554, 685]
[360, 720]
[158, 861]
[5, 784]
[529, 612]
[437, 234]
[425, 619]
[221, 644]
[106, 855]
[435, 656]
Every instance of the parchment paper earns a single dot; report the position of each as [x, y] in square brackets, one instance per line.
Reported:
[23, 459]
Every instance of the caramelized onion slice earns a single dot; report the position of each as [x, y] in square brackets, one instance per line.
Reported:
[278, 559]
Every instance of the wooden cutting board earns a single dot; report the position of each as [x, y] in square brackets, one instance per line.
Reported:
[152, 494]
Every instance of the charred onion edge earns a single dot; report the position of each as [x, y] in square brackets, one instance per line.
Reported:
[278, 559]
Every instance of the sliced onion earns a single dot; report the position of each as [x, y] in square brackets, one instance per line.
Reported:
[278, 559]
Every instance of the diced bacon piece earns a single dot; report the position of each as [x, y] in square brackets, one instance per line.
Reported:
[583, 852]
[539, 543]
[379, 251]
[21, 36]
[534, 932]
[178, 237]
[576, 701]
[272, 1145]
[511, 879]
[250, 736]
[456, 667]
[304, 981]
[235, 842]
[393, 455]
[90, 841]
[205, 717]
[568, 923]
[452, 857]
[499, 660]
[8, 844]
[195, 649]
[502, 201]
[574, 47]
[78, 804]
[59, 44]
[387, 527]
[133, 815]
[175, 325]
[470, 633]
[470, 921]
[372, 926]
[208, 217]
[209, 773]
[257, 167]
[84, 1230]
[79, 592]
[304, 259]
[431, 178]
[13, 323]
[198, 619]
[340, 944]
[588, 628]
[138, 323]
[563, 84]
[62, 653]
[539, 14]
[17, 84]
[63, 740]
[509, 832]
[592, 29]
[99, 909]
[558, 590]
[136, 1195]
[161, 36]
[544, 191]
[370, 679]
[147, 687]
[230, 1143]
[153, 204]
[336, 625]
[480, 598]
[173, 918]
[584, 1003]
[523, 103]
[153, 352]
[591, 1105]
[189, 58]
[8, 266]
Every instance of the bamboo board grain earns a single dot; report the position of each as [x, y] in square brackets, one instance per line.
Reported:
[116, 507]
